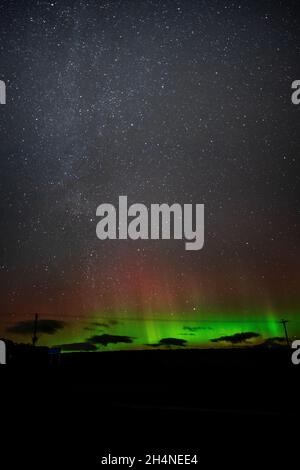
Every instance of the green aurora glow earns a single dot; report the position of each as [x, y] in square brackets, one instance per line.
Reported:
[149, 331]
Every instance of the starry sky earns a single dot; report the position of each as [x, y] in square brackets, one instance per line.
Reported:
[162, 101]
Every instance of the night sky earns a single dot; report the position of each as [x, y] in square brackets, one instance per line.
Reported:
[162, 101]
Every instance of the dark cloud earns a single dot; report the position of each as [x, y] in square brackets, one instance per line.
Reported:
[172, 342]
[236, 338]
[197, 328]
[78, 347]
[43, 326]
[106, 324]
[107, 339]
[276, 341]
[169, 342]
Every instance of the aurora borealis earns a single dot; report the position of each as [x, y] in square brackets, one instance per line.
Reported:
[173, 101]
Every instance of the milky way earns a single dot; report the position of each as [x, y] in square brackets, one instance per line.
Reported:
[161, 101]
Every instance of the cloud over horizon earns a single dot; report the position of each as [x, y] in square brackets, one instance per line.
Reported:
[169, 342]
[109, 339]
[46, 326]
[236, 338]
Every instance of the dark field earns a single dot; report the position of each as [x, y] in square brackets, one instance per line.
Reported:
[231, 407]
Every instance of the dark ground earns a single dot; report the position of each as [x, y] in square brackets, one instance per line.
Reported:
[231, 407]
